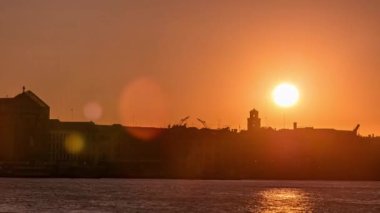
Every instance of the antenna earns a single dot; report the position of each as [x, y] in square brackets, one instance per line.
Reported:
[72, 114]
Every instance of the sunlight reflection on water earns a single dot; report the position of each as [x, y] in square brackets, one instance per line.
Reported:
[284, 200]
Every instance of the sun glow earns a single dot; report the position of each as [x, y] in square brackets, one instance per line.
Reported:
[285, 95]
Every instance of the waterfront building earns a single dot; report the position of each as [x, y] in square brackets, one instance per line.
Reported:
[24, 123]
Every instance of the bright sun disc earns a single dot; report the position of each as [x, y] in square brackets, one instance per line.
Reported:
[285, 95]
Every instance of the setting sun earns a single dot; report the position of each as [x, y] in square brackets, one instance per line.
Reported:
[285, 95]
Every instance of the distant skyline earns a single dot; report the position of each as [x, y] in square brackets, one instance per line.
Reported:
[151, 63]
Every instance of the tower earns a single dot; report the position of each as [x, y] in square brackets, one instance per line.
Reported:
[253, 122]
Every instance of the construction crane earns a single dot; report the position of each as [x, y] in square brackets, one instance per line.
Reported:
[183, 120]
[202, 122]
[356, 129]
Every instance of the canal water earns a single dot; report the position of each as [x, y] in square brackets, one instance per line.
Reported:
[130, 195]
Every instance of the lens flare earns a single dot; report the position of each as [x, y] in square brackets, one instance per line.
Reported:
[74, 143]
[92, 111]
[145, 134]
[143, 103]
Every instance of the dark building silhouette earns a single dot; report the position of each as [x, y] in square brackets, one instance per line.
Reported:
[84, 142]
[253, 122]
[24, 123]
[73, 142]
[31, 144]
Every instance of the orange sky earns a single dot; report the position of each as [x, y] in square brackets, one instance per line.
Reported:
[151, 63]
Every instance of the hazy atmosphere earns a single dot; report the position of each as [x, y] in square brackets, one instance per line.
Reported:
[151, 63]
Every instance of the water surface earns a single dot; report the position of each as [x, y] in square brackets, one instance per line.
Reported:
[126, 195]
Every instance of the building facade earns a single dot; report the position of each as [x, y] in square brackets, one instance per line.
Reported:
[24, 121]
